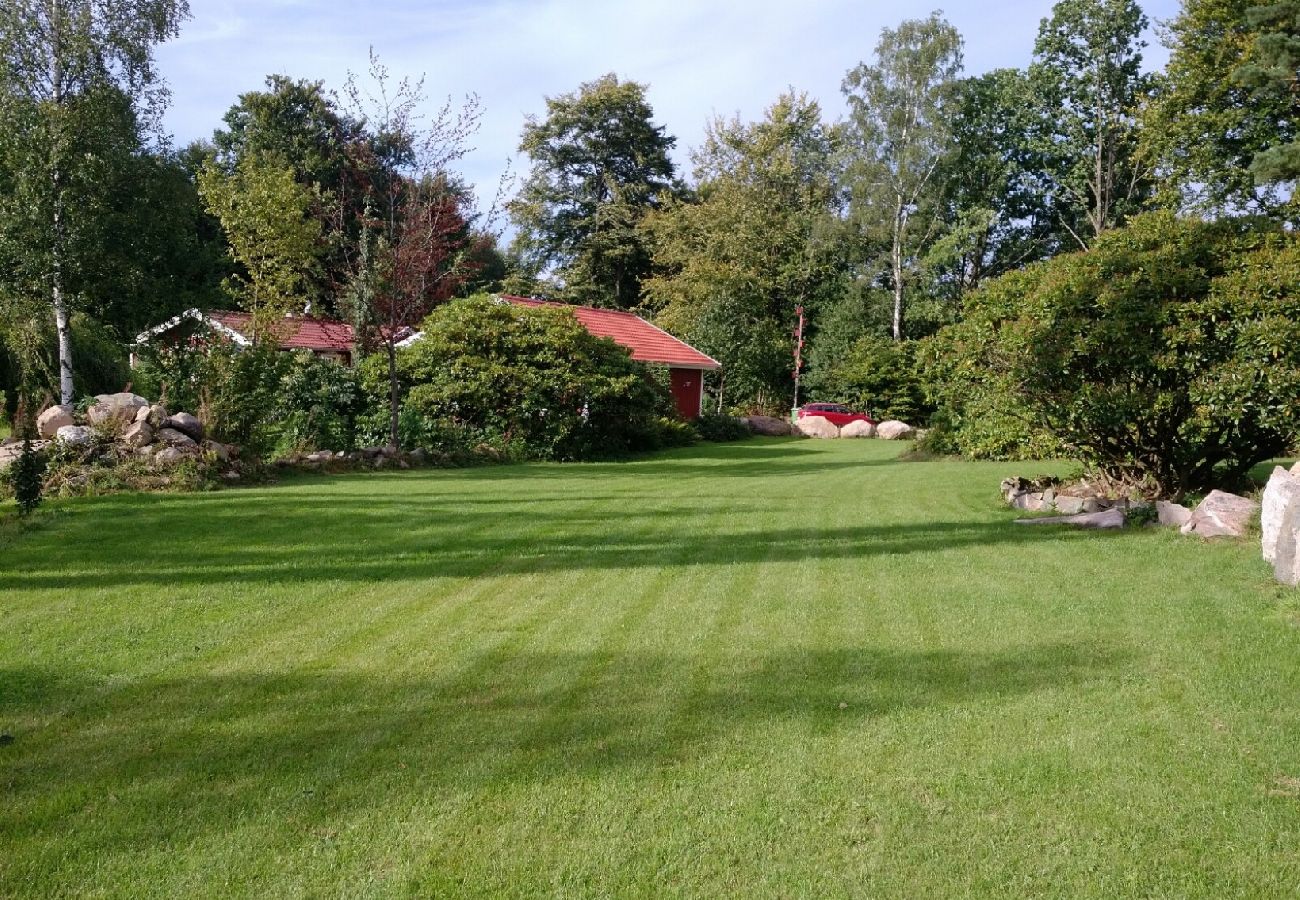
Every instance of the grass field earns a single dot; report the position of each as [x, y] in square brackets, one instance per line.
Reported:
[773, 668]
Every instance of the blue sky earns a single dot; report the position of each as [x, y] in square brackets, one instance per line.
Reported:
[700, 58]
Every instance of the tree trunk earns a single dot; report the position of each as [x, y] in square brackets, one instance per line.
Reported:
[896, 260]
[392, 393]
[57, 295]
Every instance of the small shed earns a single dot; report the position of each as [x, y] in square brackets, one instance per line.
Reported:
[327, 338]
[649, 344]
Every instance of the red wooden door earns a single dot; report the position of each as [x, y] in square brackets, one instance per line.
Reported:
[687, 386]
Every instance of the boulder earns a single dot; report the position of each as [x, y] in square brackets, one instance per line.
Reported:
[157, 415]
[1030, 501]
[1107, 518]
[142, 414]
[768, 425]
[219, 451]
[75, 435]
[168, 456]
[173, 438]
[1174, 515]
[1069, 506]
[1221, 515]
[1282, 489]
[49, 422]
[858, 429]
[137, 435]
[186, 424]
[817, 427]
[894, 430]
[121, 407]
[1286, 551]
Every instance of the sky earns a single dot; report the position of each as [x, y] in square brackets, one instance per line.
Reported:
[699, 58]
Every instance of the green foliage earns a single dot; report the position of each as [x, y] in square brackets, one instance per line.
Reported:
[899, 131]
[1086, 83]
[1169, 354]
[1272, 72]
[598, 164]
[876, 374]
[1219, 114]
[732, 265]
[273, 237]
[533, 380]
[719, 429]
[25, 477]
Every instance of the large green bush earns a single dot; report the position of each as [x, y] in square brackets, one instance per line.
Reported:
[1166, 356]
[261, 398]
[532, 381]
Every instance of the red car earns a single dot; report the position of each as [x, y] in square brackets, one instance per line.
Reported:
[835, 413]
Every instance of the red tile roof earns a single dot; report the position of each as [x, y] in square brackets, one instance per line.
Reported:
[647, 342]
[300, 332]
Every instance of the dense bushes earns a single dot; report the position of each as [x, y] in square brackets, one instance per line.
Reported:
[1169, 354]
[874, 374]
[260, 398]
[531, 381]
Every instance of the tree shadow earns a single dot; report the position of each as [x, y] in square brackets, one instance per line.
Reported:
[112, 766]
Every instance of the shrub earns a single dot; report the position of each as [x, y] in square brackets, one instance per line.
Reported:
[716, 428]
[874, 374]
[1169, 354]
[533, 381]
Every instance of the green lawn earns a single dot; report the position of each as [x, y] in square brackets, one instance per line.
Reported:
[774, 668]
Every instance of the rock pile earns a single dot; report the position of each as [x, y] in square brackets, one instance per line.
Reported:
[822, 427]
[1280, 524]
[120, 427]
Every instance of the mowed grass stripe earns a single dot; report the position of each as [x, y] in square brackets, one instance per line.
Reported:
[626, 679]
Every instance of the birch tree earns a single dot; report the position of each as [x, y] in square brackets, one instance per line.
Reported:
[62, 62]
[900, 107]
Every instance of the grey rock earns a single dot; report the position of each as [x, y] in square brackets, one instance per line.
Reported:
[1069, 506]
[49, 422]
[168, 456]
[1108, 518]
[75, 435]
[817, 427]
[894, 430]
[858, 429]
[120, 407]
[176, 439]
[1221, 515]
[186, 424]
[1282, 489]
[157, 415]
[137, 435]
[1286, 552]
[1174, 515]
[1031, 502]
[219, 451]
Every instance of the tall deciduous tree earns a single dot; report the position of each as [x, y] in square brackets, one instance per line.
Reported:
[1208, 125]
[266, 215]
[1088, 82]
[900, 110]
[416, 240]
[598, 165]
[732, 266]
[63, 63]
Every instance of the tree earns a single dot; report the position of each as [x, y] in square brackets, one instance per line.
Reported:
[900, 108]
[299, 123]
[1219, 110]
[732, 265]
[1272, 72]
[64, 63]
[1087, 83]
[416, 234]
[273, 238]
[599, 163]
[1167, 357]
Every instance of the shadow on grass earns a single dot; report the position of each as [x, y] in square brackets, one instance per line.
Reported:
[119, 764]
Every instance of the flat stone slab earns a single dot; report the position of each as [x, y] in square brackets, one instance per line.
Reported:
[1107, 518]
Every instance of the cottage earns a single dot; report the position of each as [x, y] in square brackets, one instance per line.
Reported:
[648, 343]
[327, 338]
